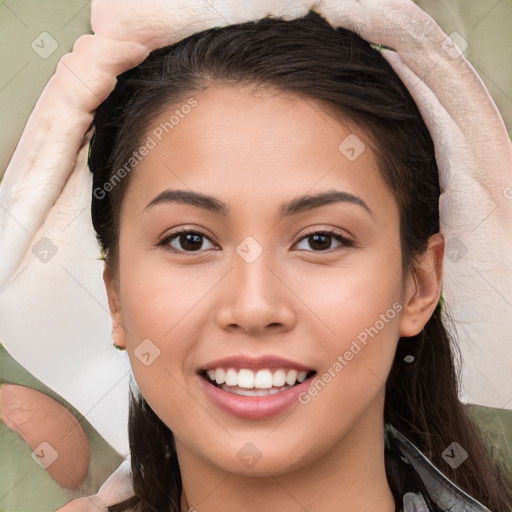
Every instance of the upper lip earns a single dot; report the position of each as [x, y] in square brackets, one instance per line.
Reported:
[252, 362]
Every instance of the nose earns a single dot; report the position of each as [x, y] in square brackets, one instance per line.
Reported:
[256, 298]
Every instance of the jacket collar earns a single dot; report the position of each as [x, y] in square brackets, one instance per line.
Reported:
[417, 485]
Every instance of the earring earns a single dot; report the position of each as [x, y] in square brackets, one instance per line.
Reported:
[116, 346]
[409, 358]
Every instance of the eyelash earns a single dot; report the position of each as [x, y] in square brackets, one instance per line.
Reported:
[345, 242]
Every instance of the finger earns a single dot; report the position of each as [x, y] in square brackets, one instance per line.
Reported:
[55, 436]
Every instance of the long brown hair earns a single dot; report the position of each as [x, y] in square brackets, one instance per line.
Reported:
[346, 74]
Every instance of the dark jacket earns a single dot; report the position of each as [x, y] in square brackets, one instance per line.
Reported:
[417, 485]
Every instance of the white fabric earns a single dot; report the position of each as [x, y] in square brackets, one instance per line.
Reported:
[118, 486]
[53, 310]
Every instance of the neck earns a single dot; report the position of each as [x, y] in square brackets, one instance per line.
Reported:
[350, 477]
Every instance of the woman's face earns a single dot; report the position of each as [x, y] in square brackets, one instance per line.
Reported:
[254, 281]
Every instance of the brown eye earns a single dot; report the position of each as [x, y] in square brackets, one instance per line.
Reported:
[185, 241]
[321, 240]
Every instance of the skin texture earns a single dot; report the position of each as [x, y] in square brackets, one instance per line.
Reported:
[255, 150]
[38, 419]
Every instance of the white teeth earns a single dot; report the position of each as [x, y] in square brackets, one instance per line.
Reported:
[245, 379]
[220, 376]
[252, 392]
[302, 376]
[262, 379]
[291, 377]
[279, 378]
[231, 377]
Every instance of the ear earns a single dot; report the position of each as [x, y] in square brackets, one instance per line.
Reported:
[118, 332]
[423, 288]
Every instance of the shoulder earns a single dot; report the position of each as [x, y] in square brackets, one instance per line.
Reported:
[423, 485]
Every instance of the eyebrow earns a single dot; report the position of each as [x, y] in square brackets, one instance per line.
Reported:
[297, 205]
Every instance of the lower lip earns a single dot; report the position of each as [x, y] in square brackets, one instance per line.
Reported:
[254, 407]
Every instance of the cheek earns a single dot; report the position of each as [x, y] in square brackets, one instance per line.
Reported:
[348, 299]
[154, 309]
[156, 296]
[359, 307]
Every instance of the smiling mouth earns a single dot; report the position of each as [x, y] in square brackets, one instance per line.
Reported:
[246, 383]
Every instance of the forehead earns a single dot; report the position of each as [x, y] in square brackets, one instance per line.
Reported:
[255, 145]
